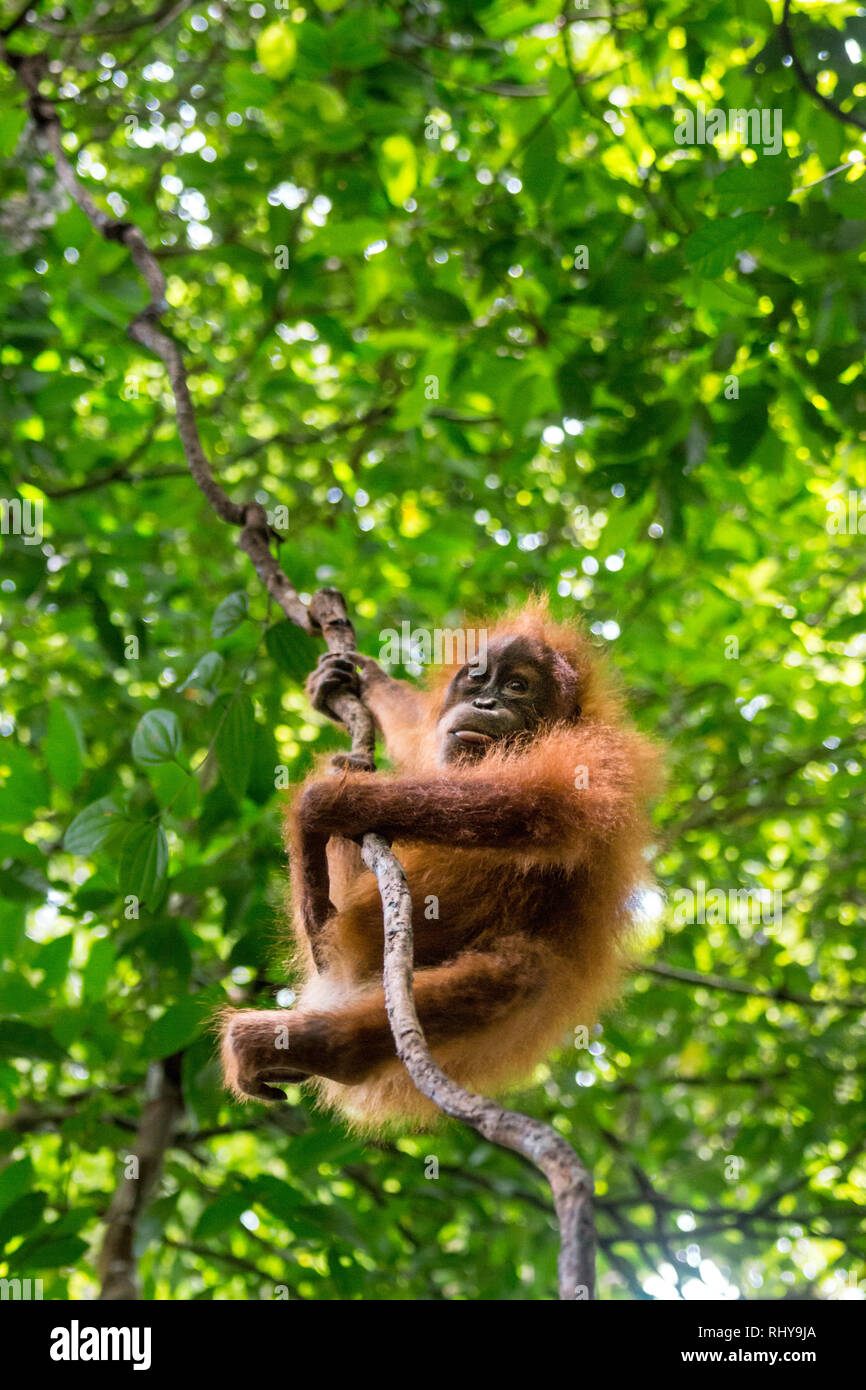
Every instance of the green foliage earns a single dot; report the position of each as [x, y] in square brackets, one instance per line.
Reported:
[157, 738]
[452, 294]
[229, 614]
[143, 863]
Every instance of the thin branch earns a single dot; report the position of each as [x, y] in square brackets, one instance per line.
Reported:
[118, 473]
[496, 89]
[32, 1116]
[157, 19]
[19, 19]
[715, 1080]
[570, 1183]
[114, 475]
[779, 996]
[831, 173]
[753, 776]
[806, 82]
[206, 1252]
[818, 619]
[322, 436]
[144, 328]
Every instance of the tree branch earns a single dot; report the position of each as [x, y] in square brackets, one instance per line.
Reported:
[158, 19]
[206, 1252]
[570, 1182]
[806, 82]
[19, 19]
[117, 1268]
[779, 996]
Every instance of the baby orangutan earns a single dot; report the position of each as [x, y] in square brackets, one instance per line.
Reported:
[518, 812]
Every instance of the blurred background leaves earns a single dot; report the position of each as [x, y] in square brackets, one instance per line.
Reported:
[453, 295]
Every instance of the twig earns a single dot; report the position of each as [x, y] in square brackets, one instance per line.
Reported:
[570, 1182]
[114, 475]
[831, 173]
[817, 619]
[206, 1252]
[19, 19]
[157, 19]
[779, 996]
[806, 81]
[119, 472]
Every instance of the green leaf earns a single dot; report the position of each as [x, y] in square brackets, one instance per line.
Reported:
[746, 187]
[229, 614]
[144, 864]
[53, 960]
[439, 305]
[234, 745]
[292, 649]
[94, 827]
[24, 1040]
[331, 103]
[205, 674]
[97, 971]
[18, 996]
[21, 1216]
[278, 1197]
[15, 1180]
[250, 88]
[172, 1032]
[23, 788]
[12, 124]
[49, 1252]
[540, 169]
[849, 198]
[749, 417]
[277, 51]
[220, 1214]
[14, 846]
[398, 168]
[63, 747]
[323, 1146]
[157, 738]
[354, 42]
[575, 391]
[175, 789]
[712, 248]
[345, 238]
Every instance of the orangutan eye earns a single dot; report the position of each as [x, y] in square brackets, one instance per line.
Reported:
[517, 684]
[475, 675]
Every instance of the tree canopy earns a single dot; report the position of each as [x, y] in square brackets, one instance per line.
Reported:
[465, 312]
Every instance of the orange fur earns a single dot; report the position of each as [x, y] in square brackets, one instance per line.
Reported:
[529, 937]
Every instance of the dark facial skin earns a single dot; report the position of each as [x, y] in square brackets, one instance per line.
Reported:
[514, 693]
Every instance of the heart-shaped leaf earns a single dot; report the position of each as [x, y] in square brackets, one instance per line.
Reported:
[234, 745]
[94, 827]
[229, 614]
[157, 738]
